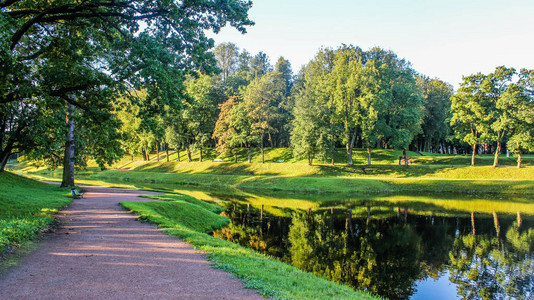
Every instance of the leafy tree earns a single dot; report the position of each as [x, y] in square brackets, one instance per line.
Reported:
[470, 113]
[102, 46]
[309, 126]
[200, 110]
[437, 104]
[224, 133]
[227, 55]
[259, 99]
[401, 114]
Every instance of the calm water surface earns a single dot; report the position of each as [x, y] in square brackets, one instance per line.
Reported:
[400, 250]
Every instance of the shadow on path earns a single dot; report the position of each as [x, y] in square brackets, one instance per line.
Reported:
[102, 252]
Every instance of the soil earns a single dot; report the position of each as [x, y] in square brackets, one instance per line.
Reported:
[101, 252]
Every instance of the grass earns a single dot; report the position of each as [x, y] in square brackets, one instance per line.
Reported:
[26, 208]
[323, 185]
[267, 275]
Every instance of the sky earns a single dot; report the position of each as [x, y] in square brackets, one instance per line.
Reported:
[444, 39]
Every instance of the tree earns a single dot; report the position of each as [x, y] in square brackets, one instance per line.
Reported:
[400, 117]
[437, 104]
[259, 99]
[470, 113]
[200, 110]
[104, 47]
[518, 114]
[224, 133]
[227, 55]
[309, 126]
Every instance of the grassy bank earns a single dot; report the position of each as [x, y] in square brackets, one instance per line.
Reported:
[26, 208]
[190, 219]
[322, 185]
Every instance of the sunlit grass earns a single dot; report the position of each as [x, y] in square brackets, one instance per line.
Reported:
[26, 207]
[267, 275]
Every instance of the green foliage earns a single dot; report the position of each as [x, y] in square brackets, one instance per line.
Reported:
[26, 208]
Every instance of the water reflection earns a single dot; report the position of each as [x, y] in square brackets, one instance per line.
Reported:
[390, 251]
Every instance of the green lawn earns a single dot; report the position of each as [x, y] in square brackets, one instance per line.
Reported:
[185, 217]
[26, 207]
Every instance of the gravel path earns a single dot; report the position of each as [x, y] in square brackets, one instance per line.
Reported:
[102, 252]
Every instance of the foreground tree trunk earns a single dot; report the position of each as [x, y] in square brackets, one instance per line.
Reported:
[68, 159]
[519, 160]
[497, 153]
[368, 156]
[405, 157]
[235, 155]
[473, 156]
[310, 159]
[248, 154]
[4, 156]
[200, 155]
[157, 151]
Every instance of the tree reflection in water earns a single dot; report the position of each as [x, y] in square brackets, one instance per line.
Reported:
[487, 257]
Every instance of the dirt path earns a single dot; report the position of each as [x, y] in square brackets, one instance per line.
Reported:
[102, 252]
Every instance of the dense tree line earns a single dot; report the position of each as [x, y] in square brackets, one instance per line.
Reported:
[346, 97]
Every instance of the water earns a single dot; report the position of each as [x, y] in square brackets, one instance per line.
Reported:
[400, 249]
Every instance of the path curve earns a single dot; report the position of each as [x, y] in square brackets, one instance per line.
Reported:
[102, 252]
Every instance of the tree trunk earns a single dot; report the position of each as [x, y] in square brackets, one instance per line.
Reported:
[262, 153]
[519, 160]
[405, 157]
[178, 154]
[68, 158]
[4, 156]
[350, 145]
[167, 151]
[235, 155]
[200, 157]
[310, 159]
[132, 156]
[188, 153]
[497, 153]
[248, 154]
[473, 157]
[333, 150]
[157, 151]
[368, 156]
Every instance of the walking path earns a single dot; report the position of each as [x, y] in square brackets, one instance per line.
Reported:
[102, 252]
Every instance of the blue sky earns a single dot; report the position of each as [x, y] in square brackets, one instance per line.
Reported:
[443, 39]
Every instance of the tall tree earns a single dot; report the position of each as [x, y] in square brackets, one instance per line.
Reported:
[259, 99]
[105, 46]
[227, 55]
[437, 104]
[517, 117]
[470, 113]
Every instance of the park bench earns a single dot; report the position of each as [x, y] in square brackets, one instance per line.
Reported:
[76, 194]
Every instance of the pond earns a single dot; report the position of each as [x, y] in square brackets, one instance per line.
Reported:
[397, 246]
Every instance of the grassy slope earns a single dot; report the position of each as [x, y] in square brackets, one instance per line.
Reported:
[26, 207]
[185, 217]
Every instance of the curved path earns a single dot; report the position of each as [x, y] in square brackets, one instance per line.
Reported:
[102, 252]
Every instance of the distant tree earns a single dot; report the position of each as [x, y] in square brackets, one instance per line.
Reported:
[227, 55]
[260, 98]
[200, 110]
[259, 65]
[437, 105]
[471, 113]
[309, 132]
[402, 111]
[518, 114]
[227, 139]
